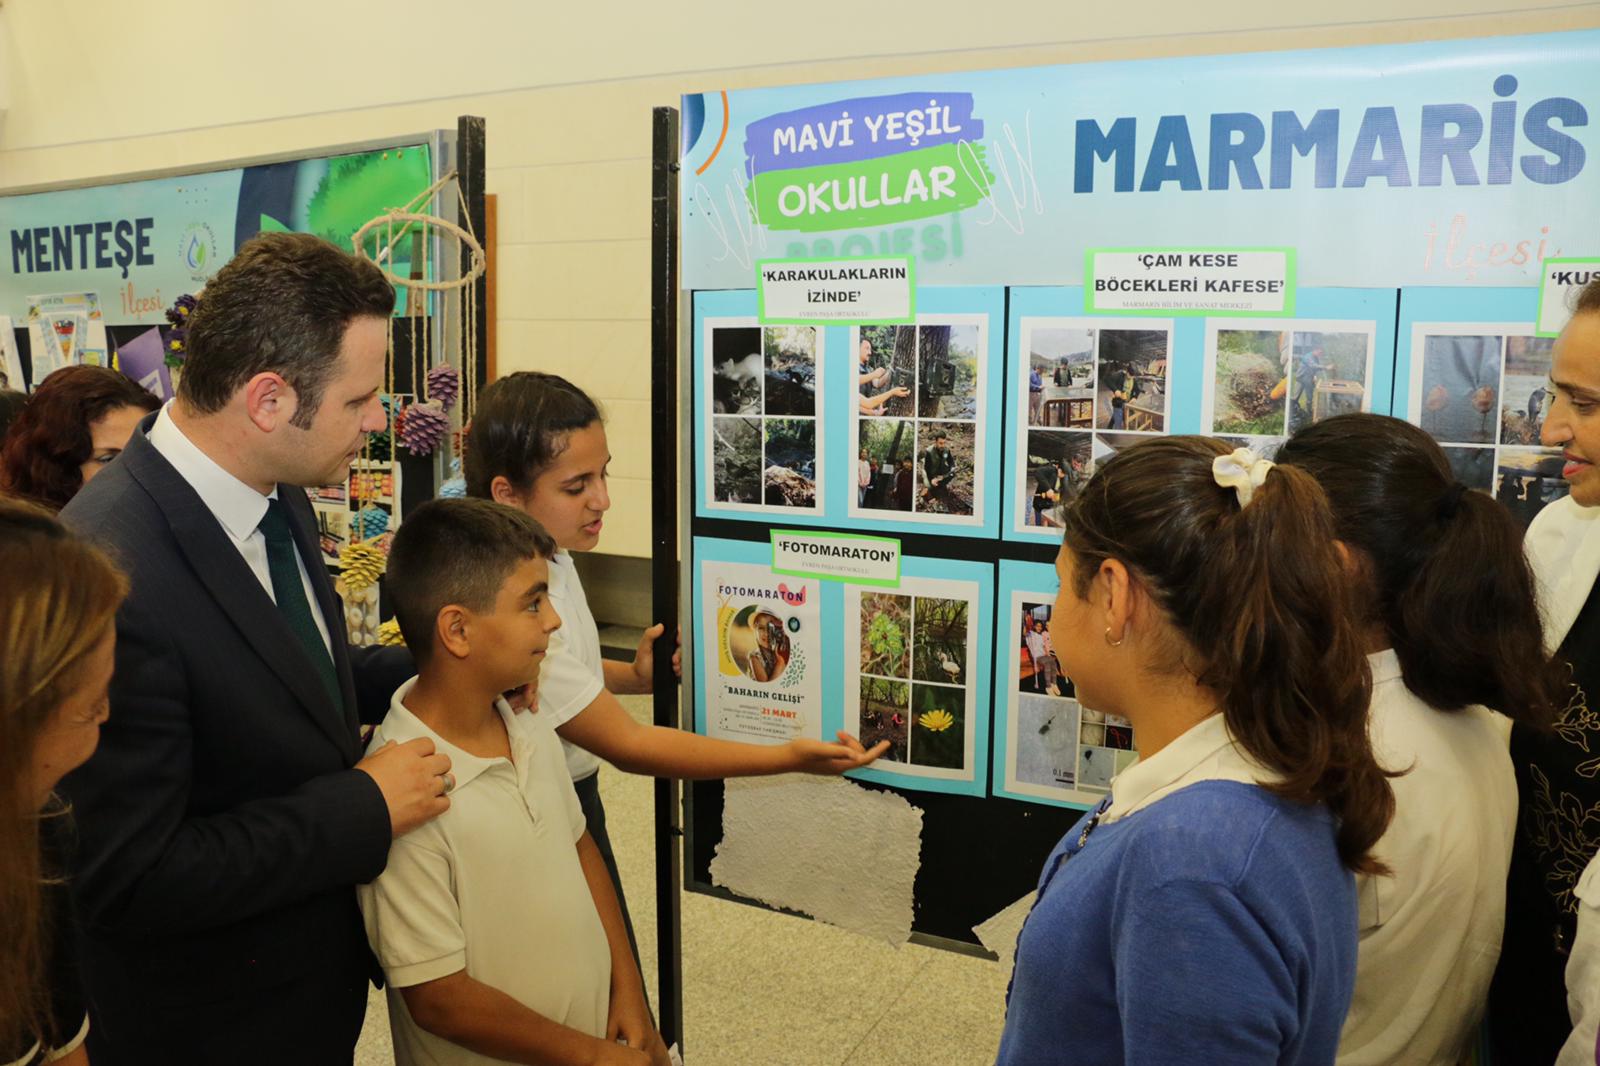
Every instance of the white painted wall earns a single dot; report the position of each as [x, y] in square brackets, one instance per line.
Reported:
[100, 87]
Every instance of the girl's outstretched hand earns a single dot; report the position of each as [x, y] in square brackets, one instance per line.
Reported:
[820, 757]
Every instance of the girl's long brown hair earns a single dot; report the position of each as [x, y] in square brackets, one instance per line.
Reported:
[57, 600]
[1446, 575]
[1260, 599]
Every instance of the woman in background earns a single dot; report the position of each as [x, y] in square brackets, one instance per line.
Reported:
[1452, 630]
[78, 420]
[57, 603]
[1546, 995]
[1206, 911]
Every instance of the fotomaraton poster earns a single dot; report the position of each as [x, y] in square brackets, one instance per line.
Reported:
[911, 665]
[760, 638]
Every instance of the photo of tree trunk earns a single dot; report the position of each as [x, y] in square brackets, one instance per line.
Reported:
[947, 372]
[891, 363]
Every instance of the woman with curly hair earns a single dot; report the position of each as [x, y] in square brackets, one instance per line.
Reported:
[77, 420]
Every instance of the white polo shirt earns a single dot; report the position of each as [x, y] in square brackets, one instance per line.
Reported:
[492, 886]
[1430, 933]
[573, 674]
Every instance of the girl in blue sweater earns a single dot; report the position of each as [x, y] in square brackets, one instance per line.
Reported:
[1206, 911]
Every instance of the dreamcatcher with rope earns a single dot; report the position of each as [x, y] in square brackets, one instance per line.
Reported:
[441, 324]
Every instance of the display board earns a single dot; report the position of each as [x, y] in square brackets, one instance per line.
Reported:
[1086, 247]
[120, 252]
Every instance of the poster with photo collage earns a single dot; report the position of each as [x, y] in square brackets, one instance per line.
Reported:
[1082, 388]
[890, 429]
[912, 652]
[1478, 382]
[919, 430]
[762, 436]
[1049, 747]
[1085, 388]
[1483, 393]
[1266, 379]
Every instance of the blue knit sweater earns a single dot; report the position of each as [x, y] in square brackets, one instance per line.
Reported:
[1215, 926]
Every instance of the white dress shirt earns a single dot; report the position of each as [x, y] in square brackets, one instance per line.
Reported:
[237, 507]
[1430, 931]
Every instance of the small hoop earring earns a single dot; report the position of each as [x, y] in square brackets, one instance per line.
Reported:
[1113, 643]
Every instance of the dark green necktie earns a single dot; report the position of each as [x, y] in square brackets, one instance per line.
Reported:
[290, 593]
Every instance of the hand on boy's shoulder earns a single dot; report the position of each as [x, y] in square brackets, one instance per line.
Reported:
[820, 757]
[413, 779]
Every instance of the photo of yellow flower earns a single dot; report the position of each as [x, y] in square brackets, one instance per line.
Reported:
[937, 721]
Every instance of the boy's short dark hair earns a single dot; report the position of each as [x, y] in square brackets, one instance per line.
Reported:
[456, 551]
[521, 427]
[281, 304]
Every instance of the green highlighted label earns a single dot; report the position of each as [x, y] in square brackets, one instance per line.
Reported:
[873, 192]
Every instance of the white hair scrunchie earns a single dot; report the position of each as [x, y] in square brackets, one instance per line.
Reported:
[1243, 471]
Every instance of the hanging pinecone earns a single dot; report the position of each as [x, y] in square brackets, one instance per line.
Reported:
[389, 634]
[422, 427]
[444, 385]
[379, 442]
[371, 522]
[363, 564]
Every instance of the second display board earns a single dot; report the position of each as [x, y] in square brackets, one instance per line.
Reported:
[964, 433]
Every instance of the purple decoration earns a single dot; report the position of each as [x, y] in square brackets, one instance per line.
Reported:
[178, 314]
[422, 427]
[444, 386]
[867, 127]
[142, 360]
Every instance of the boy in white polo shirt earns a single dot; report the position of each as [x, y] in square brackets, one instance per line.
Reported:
[496, 924]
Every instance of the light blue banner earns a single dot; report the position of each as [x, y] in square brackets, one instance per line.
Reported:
[1449, 163]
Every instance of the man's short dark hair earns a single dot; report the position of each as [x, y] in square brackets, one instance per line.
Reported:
[521, 427]
[456, 551]
[281, 304]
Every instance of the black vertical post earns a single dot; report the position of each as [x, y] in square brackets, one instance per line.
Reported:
[470, 144]
[664, 541]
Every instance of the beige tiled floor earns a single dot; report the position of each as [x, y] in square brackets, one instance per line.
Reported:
[765, 989]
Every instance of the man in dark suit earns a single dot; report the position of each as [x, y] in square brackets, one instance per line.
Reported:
[228, 813]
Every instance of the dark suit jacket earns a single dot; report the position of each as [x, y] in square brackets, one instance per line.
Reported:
[222, 825]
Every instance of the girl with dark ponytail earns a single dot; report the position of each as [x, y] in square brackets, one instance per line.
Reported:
[1206, 911]
[1452, 626]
